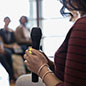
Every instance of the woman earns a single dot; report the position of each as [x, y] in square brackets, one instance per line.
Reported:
[23, 33]
[70, 58]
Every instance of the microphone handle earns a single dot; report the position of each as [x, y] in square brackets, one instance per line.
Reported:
[36, 35]
[35, 77]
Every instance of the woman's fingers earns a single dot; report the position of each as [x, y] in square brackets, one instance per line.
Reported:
[25, 57]
[27, 64]
[29, 57]
[34, 51]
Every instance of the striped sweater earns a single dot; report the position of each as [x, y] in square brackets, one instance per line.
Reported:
[70, 58]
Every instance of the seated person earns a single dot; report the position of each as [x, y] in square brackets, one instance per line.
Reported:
[70, 58]
[6, 61]
[23, 33]
[7, 36]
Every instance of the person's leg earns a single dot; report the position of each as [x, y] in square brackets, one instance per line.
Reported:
[5, 64]
[8, 57]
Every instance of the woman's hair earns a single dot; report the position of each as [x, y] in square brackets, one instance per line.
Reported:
[21, 19]
[73, 5]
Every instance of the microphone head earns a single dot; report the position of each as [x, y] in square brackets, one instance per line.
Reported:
[36, 32]
[36, 35]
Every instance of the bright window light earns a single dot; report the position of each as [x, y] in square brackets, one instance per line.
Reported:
[55, 26]
[14, 9]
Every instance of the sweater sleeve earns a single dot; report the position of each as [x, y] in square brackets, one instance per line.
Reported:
[75, 65]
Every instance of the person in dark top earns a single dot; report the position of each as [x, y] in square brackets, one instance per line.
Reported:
[70, 59]
[6, 61]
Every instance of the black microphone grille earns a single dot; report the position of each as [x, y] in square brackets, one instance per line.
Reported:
[36, 31]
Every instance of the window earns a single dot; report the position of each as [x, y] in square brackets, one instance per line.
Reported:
[32, 13]
[14, 9]
[54, 26]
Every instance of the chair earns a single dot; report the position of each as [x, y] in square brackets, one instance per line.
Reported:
[26, 80]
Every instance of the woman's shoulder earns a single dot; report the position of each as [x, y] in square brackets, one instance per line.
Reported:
[79, 29]
[80, 23]
[81, 20]
[19, 27]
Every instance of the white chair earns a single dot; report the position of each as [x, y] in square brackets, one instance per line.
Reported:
[26, 80]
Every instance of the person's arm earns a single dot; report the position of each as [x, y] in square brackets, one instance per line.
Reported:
[49, 79]
[75, 67]
[50, 63]
[75, 70]
[34, 61]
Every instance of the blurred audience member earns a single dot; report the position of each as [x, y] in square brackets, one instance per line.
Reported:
[6, 61]
[23, 33]
[8, 38]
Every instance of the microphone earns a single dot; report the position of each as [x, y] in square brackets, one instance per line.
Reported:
[36, 35]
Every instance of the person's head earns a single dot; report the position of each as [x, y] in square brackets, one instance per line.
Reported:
[23, 20]
[73, 5]
[7, 21]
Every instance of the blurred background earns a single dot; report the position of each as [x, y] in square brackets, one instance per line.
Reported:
[42, 13]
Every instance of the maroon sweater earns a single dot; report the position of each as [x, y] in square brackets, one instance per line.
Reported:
[70, 59]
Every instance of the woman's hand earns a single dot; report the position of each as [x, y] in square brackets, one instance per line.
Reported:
[35, 60]
[50, 63]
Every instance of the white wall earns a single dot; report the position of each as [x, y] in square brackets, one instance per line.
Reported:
[4, 77]
[14, 9]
